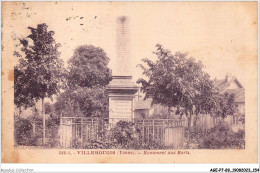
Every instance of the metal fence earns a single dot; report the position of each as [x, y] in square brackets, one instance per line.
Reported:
[77, 131]
[169, 132]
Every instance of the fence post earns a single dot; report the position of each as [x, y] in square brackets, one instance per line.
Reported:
[153, 129]
[82, 131]
[148, 132]
[61, 132]
[72, 133]
[143, 132]
[183, 134]
[92, 129]
[65, 136]
[163, 132]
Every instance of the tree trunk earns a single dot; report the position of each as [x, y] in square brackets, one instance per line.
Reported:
[70, 107]
[34, 123]
[34, 128]
[43, 122]
[20, 111]
[195, 120]
[189, 125]
[189, 122]
[169, 112]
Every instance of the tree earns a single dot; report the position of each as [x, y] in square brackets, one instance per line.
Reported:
[175, 80]
[87, 76]
[88, 67]
[39, 74]
[224, 105]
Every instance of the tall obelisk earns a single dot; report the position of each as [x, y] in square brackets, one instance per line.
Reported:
[122, 89]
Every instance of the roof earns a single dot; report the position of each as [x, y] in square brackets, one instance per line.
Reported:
[223, 87]
[239, 94]
[223, 84]
[143, 104]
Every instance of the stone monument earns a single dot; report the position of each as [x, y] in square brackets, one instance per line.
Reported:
[122, 89]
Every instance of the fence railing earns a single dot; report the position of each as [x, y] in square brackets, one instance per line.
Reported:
[76, 131]
[169, 132]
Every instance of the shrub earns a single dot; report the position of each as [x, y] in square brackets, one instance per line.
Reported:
[52, 131]
[24, 132]
[153, 145]
[222, 137]
[126, 134]
[195, 133]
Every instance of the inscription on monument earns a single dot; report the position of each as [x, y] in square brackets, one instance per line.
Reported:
[121, 108]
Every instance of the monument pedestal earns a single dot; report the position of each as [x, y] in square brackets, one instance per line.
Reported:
[121, 98]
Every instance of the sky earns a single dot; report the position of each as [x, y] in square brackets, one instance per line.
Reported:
[223, 35]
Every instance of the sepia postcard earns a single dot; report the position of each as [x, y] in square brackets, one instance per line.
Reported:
[129, 82]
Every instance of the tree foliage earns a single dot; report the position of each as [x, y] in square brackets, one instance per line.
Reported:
[176, 80]
[48, 108]
[224, 105]
[88, 67]
[22, 96]
[39, 73]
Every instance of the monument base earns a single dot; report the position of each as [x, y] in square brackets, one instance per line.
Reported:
[121, 98]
